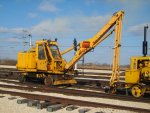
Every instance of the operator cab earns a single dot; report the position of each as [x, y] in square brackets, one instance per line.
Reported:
[49, 57]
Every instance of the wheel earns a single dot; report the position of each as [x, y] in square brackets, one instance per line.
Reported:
[48, 81]
[22, 78]
[113, 90]
[137, 91]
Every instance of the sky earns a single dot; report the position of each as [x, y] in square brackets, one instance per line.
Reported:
[69, 19]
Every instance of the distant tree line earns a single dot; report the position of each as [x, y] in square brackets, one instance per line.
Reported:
[7, 62]
[100, 66]
[86, 65]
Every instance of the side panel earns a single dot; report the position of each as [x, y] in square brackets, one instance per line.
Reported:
[132, 76]
[41, 65]
[26, 60]
[21, 60]
[31, 62]
[133, 63]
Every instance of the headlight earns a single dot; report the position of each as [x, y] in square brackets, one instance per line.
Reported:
[147, 72]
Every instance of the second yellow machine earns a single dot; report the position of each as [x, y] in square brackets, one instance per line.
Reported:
[137, 78]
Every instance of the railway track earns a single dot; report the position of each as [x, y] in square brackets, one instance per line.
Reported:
[66, 101]
[37, 84]
[94, 92]
[97, 78]
[74, 92]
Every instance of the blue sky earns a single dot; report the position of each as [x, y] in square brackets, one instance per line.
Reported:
[69, 19]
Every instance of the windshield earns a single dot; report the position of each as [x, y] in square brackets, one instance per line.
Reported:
[55, 51]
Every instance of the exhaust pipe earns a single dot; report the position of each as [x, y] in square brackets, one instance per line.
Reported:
[145, 44]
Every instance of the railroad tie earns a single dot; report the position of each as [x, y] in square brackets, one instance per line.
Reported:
[12, 98]
[22, 101]
[71, 108]
[100, 112]
[84, 110]
[32, 103]
[55, 107]
[2, 96]
[43, 105]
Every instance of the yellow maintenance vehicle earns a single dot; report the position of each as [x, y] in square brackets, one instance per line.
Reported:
[137, 78]
[45, 61]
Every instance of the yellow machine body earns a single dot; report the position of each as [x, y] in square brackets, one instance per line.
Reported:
[132, 76]
[26, 60]
[137, 78]
[44, 60]
[139, 69]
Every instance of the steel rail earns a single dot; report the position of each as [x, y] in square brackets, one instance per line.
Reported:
[76, 93]
[66, 101]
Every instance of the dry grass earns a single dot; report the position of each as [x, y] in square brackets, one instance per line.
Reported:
[7, 62]
[100, 66]
[86, 65]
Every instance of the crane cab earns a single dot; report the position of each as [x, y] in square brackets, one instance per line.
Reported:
[48, 57]
[45, 56]
[139, 70]
[44, 61]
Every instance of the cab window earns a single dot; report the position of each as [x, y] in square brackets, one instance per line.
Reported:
[41, 54]
[55, 52]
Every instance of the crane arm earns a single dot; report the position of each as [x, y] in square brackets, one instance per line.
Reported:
[79, 55]
[67, 50]
[86, 46]
[115, 77]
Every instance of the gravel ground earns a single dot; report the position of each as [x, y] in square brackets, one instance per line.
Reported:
[11, 106]
[92, 99]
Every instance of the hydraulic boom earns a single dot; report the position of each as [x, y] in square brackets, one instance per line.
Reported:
[88, 45]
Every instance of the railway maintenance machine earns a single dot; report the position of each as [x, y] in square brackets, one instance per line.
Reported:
[45, 61]
[137, 78]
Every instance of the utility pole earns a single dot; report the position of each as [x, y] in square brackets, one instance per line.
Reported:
[30, 37]
[145, 43]
[24, 39]
[75, 49]
[25, 34]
